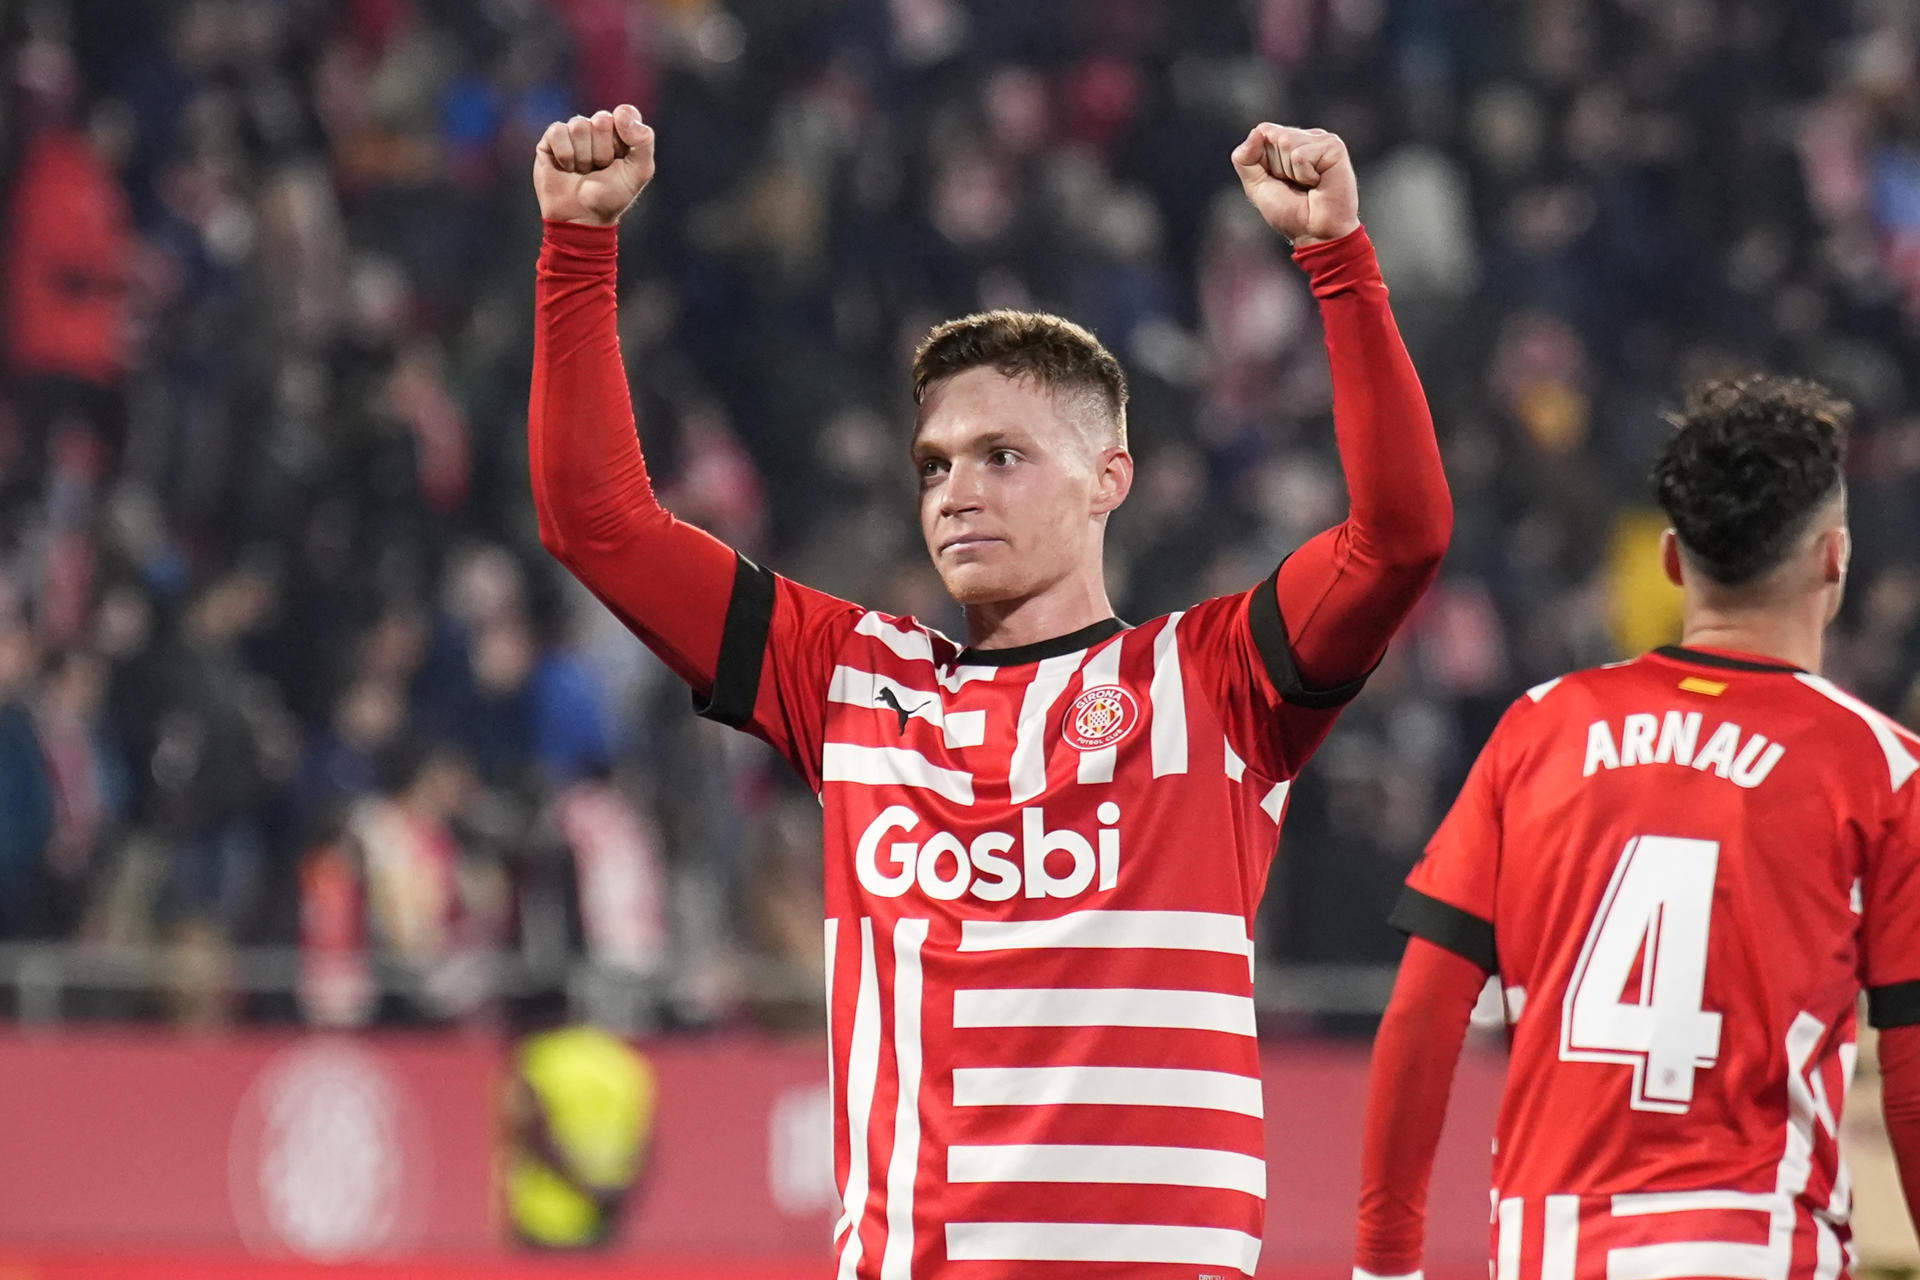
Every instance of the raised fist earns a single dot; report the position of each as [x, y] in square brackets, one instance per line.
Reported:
[1301, 181]
[590, 169]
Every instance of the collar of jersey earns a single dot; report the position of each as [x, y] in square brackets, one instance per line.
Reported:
[1729, 661]
[1084, 638]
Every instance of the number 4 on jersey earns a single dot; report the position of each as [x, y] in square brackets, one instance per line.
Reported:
[1654, 922]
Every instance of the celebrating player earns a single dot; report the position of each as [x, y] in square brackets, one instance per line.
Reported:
[1044, 848]
[1683, 871]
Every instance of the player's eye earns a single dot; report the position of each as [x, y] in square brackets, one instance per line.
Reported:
[931, 467]
[1002, 458]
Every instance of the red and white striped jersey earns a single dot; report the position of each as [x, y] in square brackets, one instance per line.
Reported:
[1684, 870]
[1042, 869]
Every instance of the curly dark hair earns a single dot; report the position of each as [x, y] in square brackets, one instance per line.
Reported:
[1750, 460]
[1057, 354]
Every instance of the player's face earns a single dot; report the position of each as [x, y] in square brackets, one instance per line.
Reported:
[1013, 491]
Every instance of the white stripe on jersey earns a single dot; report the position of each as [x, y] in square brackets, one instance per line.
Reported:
[1677, 1260]
[1236, 767]
[1102, 668]
[1544, 688]
[1796, 1164]
[1629, 1204]
[1276, 800]
[1147, 1166]
[863, 1069]
[965, 673]
[1560, 1245]
[1826, 1251]
[1901, 763]
[1101, 1242]
[1159, 930]
[911, 645]
[1104, 1007]
[1512, 1214]
[857, 688]
[833, 939]
[893, 766]
[897, 1261]
[1106, 1087]
[966, 728]
[1027, 776]
[1167, 693]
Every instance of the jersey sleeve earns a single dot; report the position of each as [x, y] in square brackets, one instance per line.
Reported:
[1890, 925]
[756, 649]
[777, 655]
[1287, 655]
[1244, 663]
[1449, 896]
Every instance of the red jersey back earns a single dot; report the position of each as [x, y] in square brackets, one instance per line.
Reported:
[1683, 870]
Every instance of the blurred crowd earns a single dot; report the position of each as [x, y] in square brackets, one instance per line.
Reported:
[283, 666]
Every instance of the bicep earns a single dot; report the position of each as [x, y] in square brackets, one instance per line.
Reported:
[1342, 605]
[1449, 897]
[776, 660]
[1891, 928]
[1273, 718]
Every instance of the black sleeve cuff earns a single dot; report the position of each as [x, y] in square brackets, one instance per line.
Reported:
[1420, 915]
[1276, 651]
[743, 647]
[1894, 1006]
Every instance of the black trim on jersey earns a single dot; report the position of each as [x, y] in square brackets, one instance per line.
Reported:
[1421, 915]
[1894, 1006]
[743, 647]
[1680, 653]
[1020, 654]
[1270, 638]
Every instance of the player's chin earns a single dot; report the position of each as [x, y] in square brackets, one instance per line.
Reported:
[975, 583]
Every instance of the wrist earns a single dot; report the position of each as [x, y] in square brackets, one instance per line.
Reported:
[576, 247]
[1303, 242]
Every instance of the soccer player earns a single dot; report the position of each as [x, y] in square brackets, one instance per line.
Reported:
[1683, 870]
[1044, 847]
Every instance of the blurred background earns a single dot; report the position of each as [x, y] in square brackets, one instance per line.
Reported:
[325, 795]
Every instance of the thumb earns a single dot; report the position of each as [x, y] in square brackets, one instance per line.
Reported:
[628, 124]
[1247, 156]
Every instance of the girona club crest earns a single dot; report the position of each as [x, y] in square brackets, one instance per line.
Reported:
[1100, 717]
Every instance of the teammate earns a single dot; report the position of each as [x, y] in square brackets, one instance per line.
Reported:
[1683, 870]
[1044, 848]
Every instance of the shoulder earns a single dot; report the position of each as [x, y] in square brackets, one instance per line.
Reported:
[903, 636]
[1897, 746]
[1576, 698]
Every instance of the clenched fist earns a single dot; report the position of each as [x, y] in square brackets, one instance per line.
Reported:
[1301, 181]
[590, 169]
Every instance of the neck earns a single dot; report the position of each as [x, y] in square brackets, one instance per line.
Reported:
[1065, 607]
[1790, 638]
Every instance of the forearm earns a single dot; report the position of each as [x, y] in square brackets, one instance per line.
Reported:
[1346, 592]
[1414, 1056]
[1900, 1105]
[667, 580]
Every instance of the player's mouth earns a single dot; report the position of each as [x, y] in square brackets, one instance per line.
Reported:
[968, 542]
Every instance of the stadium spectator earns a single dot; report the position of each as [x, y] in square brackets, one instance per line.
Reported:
[301, 328]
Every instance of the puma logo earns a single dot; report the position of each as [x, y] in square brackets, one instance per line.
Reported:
[905, 713]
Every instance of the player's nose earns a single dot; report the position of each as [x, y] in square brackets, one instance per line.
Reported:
[962, 491]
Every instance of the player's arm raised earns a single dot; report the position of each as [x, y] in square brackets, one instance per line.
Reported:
[1345, 592]
[756, 648]
[666, 580]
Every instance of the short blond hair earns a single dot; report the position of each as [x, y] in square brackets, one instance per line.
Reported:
[1054, 352]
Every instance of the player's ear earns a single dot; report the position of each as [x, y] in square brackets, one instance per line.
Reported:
[1835, 552]
[1670, 557]
[1114, 480]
